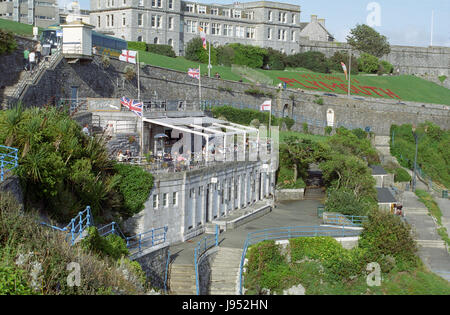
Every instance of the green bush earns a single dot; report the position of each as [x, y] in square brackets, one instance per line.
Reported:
[274, 60]
[346, 202]
[165, 50]
[312, 60]
[328, 130]
[368, 63]
[225, 55]
[8, 43]
[400, 175]
[247, 55]
[386, 235]
[285, 179]
[135, 186]
[196, 52]
[338, 57]
[111, 245]
[387, 67]
[137, 46]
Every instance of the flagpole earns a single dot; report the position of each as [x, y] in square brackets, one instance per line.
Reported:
[270, 118]
[209, 61]
[200, 84]
[138, 83]
[349, 70]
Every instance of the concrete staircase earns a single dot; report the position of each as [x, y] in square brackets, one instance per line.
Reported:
[182, 280]
[314, 194]
[225, 271]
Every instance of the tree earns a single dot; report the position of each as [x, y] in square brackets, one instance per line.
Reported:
[366, 39]
[340, 56]
[275, 59]
[196, 52]
[368, 63]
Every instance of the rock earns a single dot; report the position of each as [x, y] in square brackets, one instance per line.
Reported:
[295, 290]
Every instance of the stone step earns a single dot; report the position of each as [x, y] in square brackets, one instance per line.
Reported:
[431, 243]
[183, 292]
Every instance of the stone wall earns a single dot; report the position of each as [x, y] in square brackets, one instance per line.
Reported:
[12, 185]
[154, 266]
[379, 114]
[426, 62]
[289, 194]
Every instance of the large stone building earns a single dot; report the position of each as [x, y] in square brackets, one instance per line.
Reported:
[315, 30]
[176, 22]
[41, 13]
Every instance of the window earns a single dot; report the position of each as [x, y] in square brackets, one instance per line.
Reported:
[165, 198]
[153, 21]
[155, 201]
[98, 21]
[201, 9]
[170, 4]
[190, 7]
[281, 34]
[240, 31]
[170, 25]
[294, 18]
[250, 32]
[158, 21]
[237, 14]
[124, 20]
[215, 29]
[270, 15]
[227, 13]
[141, 3]
[112, 20]
[156, 40]
[251, 15]
[227, 30]
[293, 36]
[175, 194]
[205, 26]
[215, 11]
[140, 19]
[139, 39]
[191, 26]
[269, 33]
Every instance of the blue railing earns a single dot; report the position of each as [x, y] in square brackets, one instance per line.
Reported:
[76, 226]
[8, 160]
[288, 233]
[140, 241]
[167, 271]
[344, 220]
[202, 246]
[147, 239]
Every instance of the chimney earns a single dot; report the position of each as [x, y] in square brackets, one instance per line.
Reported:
[313, 18]
[322, 21]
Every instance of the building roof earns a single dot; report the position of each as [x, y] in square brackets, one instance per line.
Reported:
[384, 195]
[378, 170]
[186, 121]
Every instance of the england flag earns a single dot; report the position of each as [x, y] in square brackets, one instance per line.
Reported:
[266, 106]
[128, 56]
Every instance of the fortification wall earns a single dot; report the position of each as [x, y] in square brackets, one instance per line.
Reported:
[426, 62]
[93, 81]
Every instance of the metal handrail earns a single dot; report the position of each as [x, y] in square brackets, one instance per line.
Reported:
[346, 220]
[74, 229]
[288, 233]
[202, 246]
[157, 236]
[8, 160]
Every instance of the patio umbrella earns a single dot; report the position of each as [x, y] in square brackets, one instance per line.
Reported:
[160, 136]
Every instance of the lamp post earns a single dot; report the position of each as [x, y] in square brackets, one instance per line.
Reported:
[415, 158]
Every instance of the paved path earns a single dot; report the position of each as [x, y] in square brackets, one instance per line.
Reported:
[432, 249]
[293, 213]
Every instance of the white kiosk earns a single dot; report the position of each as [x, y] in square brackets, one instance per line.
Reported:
[77, 40]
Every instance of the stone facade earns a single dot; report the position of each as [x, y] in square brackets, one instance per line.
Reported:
[186, 201]
[315, 30]
[39, 13]
[176, 22]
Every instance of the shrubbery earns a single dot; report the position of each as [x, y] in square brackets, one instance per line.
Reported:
[165, 50]
[37, 257]
[338, 57]
[7, 42]
[111, 245]
[196, 52]
[137, 46]
[312, 60]
[433, 155]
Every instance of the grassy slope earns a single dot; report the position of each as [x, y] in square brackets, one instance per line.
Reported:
[17, 28]
[407, 87]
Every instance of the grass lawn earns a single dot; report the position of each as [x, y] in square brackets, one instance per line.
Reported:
[17, 28]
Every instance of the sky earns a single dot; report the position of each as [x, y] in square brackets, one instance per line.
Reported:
[403, 22]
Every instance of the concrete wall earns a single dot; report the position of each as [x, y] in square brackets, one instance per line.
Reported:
[154, 266]
[289, 194]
